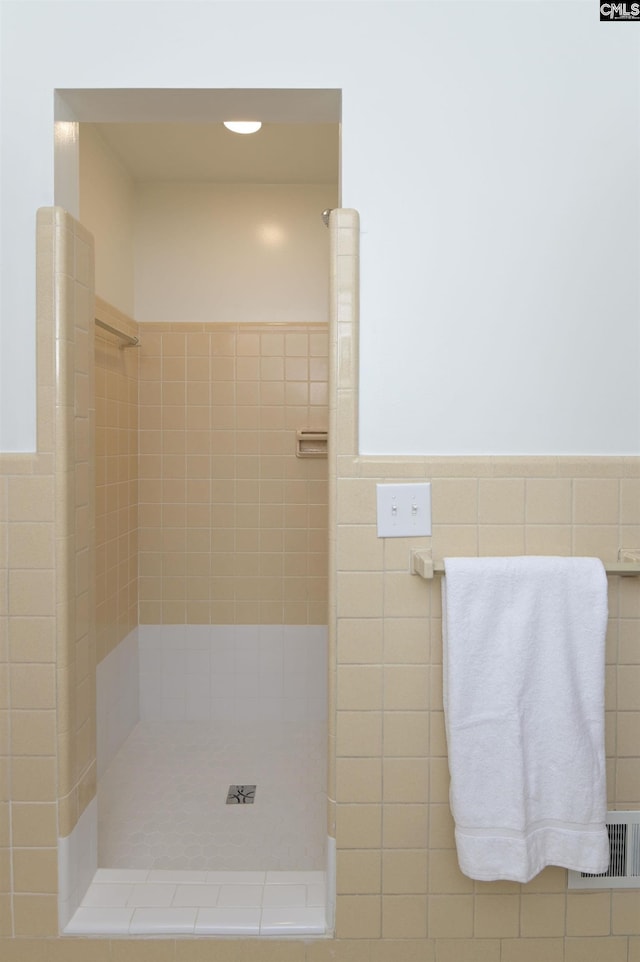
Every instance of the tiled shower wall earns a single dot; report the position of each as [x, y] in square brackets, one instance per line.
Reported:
[116, 390]
[233, 526]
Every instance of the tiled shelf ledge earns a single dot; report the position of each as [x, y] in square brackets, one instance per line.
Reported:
[136, 902]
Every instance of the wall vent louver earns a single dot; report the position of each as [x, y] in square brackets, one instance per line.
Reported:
[623, 829]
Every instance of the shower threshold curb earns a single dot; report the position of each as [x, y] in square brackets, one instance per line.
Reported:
[152, 903]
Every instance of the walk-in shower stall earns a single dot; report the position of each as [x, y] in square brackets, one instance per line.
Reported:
[209, 457]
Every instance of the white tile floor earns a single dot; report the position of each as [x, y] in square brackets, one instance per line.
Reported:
[140, 902]
[162, 801]
[176, 859]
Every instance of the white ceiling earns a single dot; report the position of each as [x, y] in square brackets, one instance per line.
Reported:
[279, 153]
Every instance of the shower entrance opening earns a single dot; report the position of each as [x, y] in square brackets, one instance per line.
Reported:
[211, 529]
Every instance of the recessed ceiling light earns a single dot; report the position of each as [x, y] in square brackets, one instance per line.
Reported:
[243, 126]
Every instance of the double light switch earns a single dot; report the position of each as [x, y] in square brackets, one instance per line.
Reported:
[404, 510]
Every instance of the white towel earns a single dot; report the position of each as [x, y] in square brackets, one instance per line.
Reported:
[524, 711]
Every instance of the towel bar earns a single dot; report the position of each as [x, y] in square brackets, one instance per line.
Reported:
[422, 564]
[130, 339]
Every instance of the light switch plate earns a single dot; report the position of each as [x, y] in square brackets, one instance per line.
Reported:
[404, 510]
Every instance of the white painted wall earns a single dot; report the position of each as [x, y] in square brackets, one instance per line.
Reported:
[221, 252]
[107, 210]
[492, 151]
[203, 251]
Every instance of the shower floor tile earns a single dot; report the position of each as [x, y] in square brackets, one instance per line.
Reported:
[261, 904]
[162, 801]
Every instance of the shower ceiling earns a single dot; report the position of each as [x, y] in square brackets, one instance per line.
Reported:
[280, 153]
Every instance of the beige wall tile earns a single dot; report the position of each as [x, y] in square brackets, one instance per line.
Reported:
[358, 872]
[5, 825]
[405, 596]
[542, 915]
[596, 501]
[30, 545]
[470, 950]
[35, 915]
[25, 950]
[627, 732]
[545, 539]
[437, 733]
[34, 825]
[627, 784]
[33, 686]
[451, 917]
[359, 688]
[501, 540]
[445, 875]
[360, 549]
[358, 826]
[6, 920]
[138, 951]
[410, 950]
[406, 733]
[630, 501]
[501, 501]
[404, 826]
[31, 499]
[33, 779]
[599, 541]
[358, 780]
[595, 950]
[588, 913]
[404, 916]
[405, 780]
[360, 594]
[404, 871]
[406, 688]
[5, 866]
[532, 950]
[454, 541]
[625, 913]
[356, 502]
[454, 500]
[70, 950]
[548, 501]
[359, 641]
[35, 870]
[439, 780]
[496, 916]
[407, 640]
[628, 685]
[31, 592]
[358, 917]
[33, 732]
[441, 827]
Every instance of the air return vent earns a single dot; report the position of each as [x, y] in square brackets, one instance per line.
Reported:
[624, 848]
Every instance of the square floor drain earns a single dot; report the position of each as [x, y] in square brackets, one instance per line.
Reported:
[241, 794]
